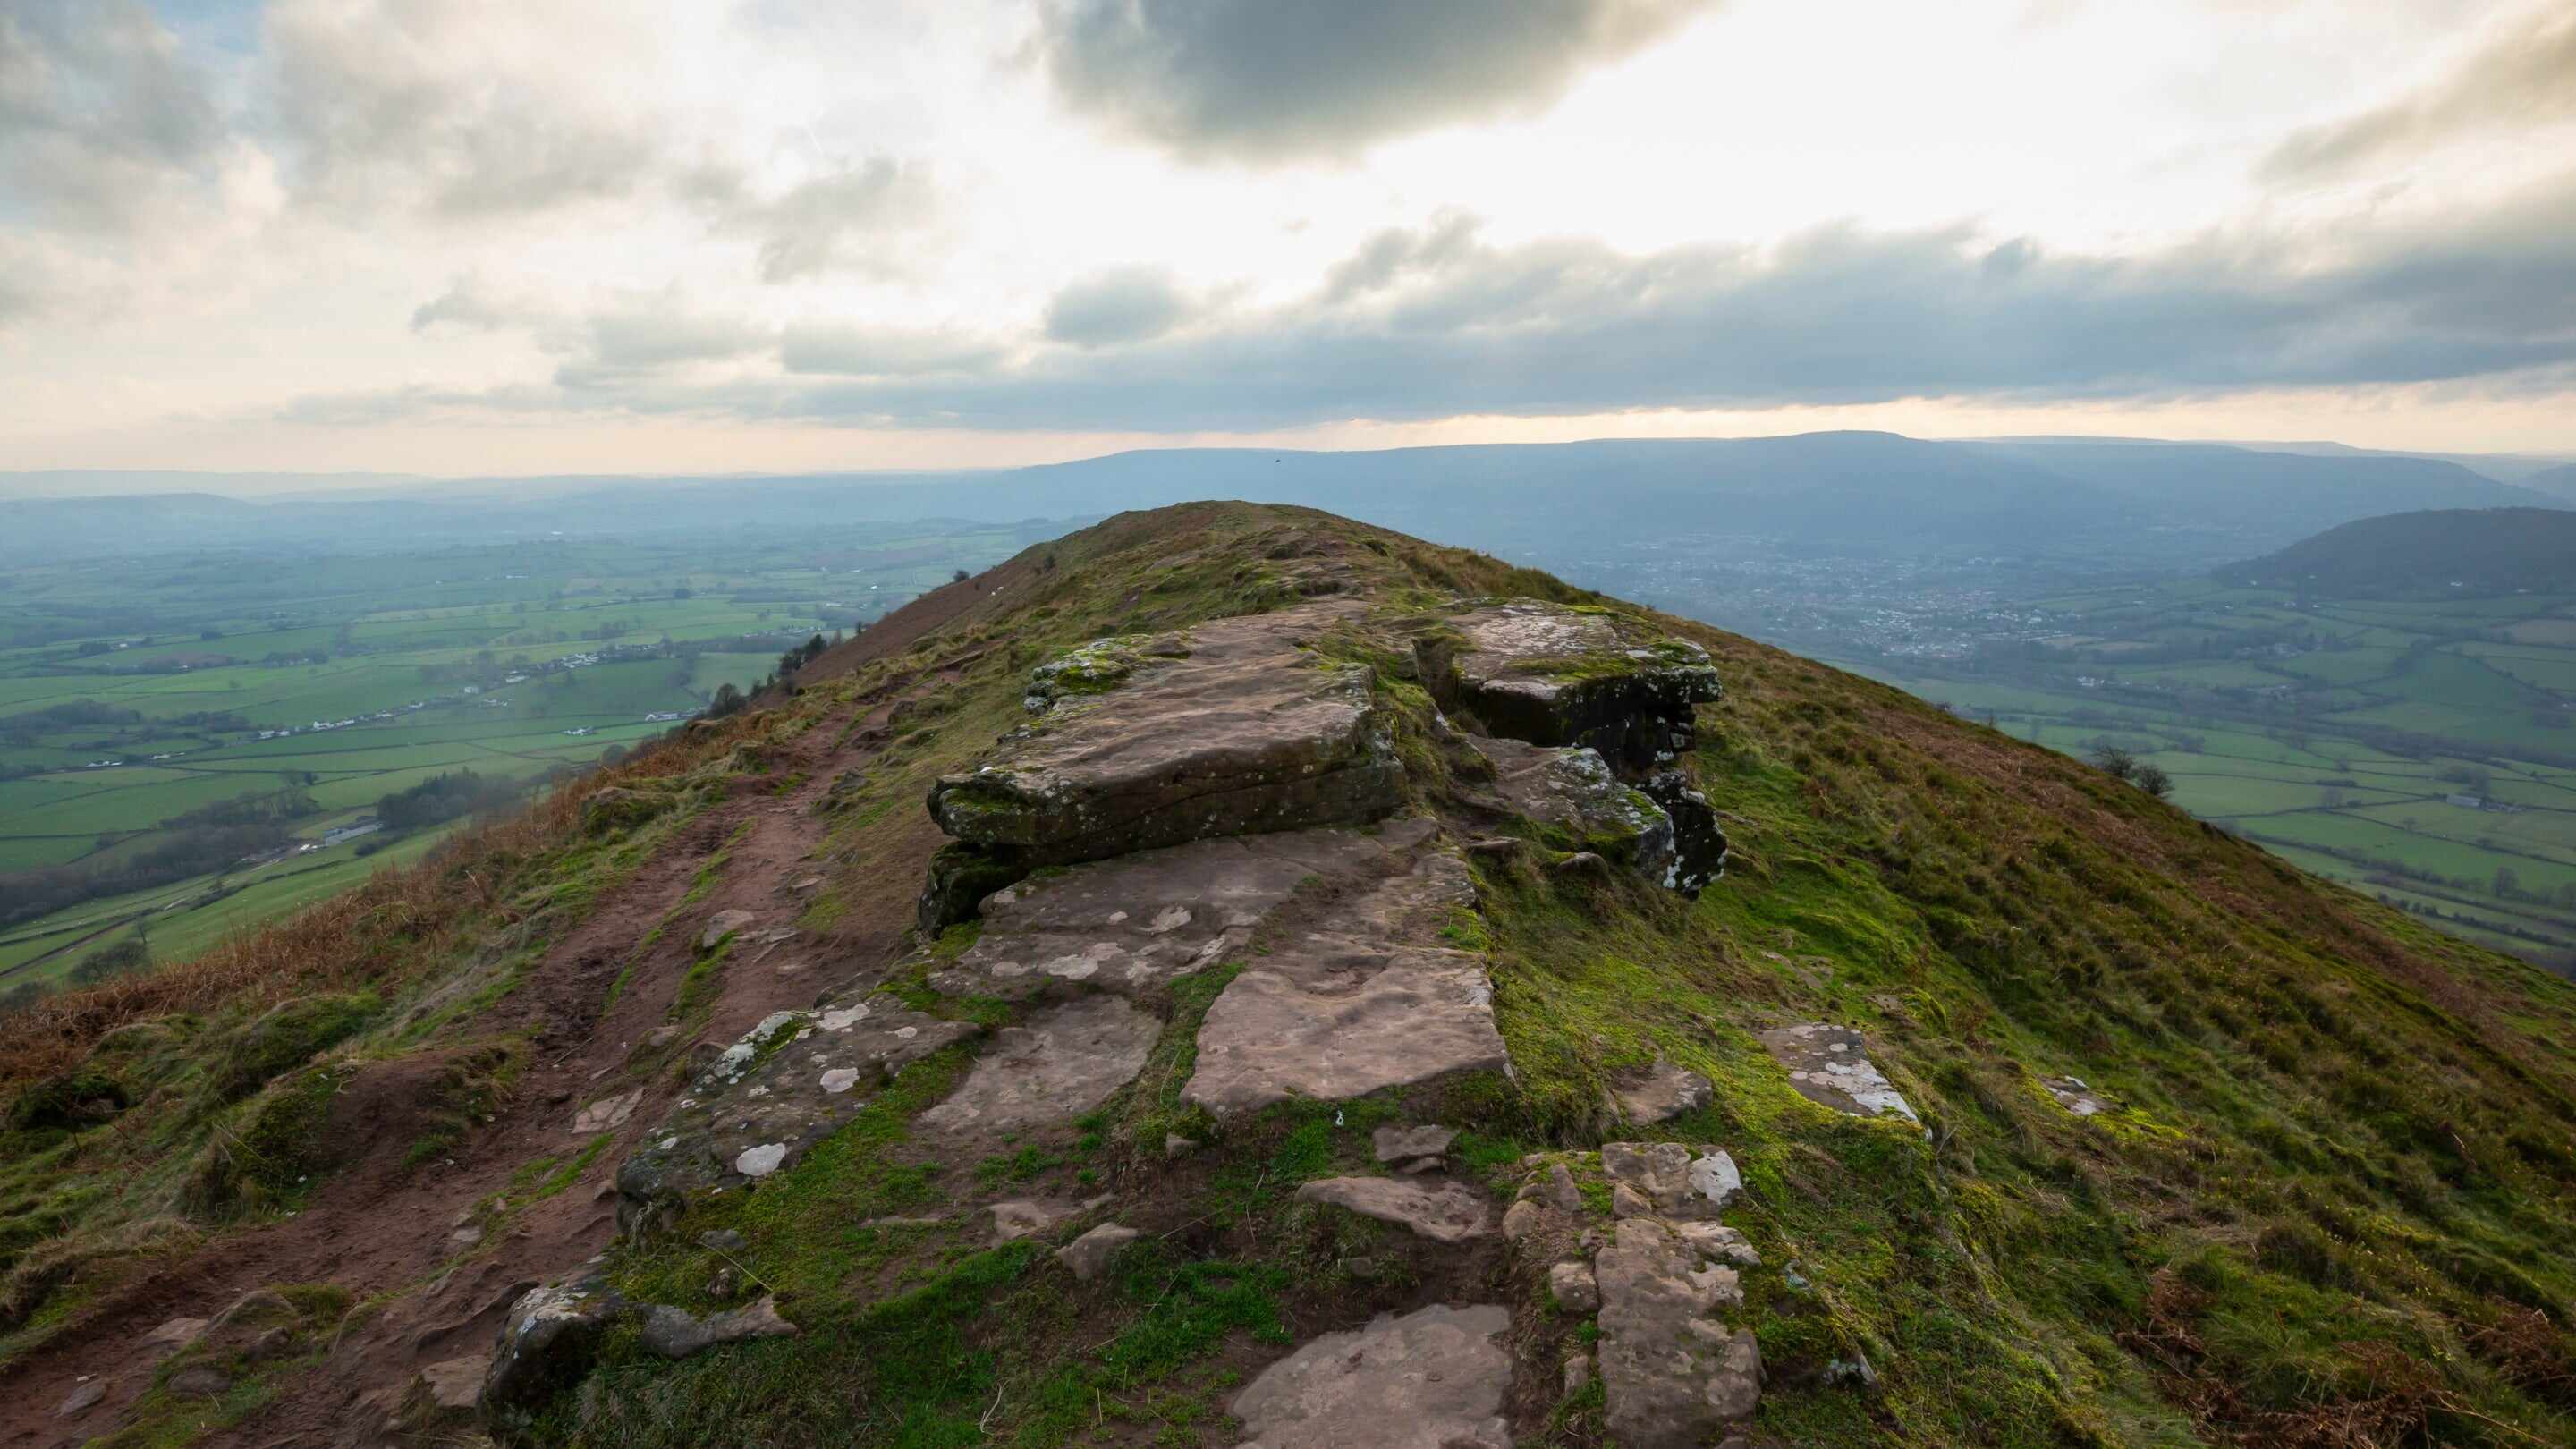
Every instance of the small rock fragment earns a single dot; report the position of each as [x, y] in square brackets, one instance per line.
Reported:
[1089, 1254]
[1578, 1374]
[82, 1399]
[608, 1113]
[1667, 1092]
[1397, 1143]
[198, 1382]
[673, 1333]
[1574, 1287]
[721, 925]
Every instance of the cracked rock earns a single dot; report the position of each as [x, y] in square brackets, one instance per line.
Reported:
[1432, 1379]
[1066, 1061]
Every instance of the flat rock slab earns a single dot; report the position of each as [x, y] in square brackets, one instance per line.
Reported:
[1404, 1144]
[1448, 1213]
[1066, 1061]
[1364, 999]
[1245, 731]
[1571, 788]
[1131, 924]
[788, 1083]
[1675, 1373]
[1829, 1065]
[1555, 674]
[1667, 1092]
[1432, 1379]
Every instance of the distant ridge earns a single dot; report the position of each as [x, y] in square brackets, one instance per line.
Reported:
[2446, 551]
[2190, 505]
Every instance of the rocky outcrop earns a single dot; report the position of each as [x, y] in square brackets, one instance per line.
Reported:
[1829, 1065]
[1367, 997]
[1571, 788]
[1432, 1379]
[548, 1340]
[1239, 729]
[1699, 846]
[1556, 674]
[791, 1081]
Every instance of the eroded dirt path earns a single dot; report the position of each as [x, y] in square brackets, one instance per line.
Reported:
[404, 1235]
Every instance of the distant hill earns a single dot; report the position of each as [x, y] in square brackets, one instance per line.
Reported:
[2437, 551]
[2156, 504]
[2559, 482]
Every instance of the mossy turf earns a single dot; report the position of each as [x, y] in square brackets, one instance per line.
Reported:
[2332, 1204]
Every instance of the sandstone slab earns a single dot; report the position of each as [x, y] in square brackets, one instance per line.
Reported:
[1450, 1212]
[1066, 1061]
[1829, 1065]
[1675, 1373]
[1404, 1144]
[1555, 674]
[1432, 1379]
[1239, 728]
[1364, 998]
[788, 1083]
[1133, 923]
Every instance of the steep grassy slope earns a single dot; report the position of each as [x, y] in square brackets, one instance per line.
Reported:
[2332, 1204]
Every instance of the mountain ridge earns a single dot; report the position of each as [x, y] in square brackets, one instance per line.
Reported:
[2156, 1179]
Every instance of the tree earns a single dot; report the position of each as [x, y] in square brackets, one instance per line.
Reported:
[726, 700]
[2152, 779]
[133, 953]
[958, 577]
[2114, 761]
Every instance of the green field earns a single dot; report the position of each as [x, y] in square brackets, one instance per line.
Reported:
[337, 680]
[2335, 732]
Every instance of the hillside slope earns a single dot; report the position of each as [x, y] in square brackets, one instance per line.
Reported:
[2443, 552]
[1981, 1099]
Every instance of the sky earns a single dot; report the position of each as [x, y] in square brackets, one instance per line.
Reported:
[518, 236]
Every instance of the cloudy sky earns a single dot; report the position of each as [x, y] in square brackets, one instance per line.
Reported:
[490, 236]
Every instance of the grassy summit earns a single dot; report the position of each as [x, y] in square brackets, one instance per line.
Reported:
[2325, 1200]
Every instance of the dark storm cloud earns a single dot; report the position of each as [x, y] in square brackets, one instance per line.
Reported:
[1257, 80]
[2524, 77]
[100, 114]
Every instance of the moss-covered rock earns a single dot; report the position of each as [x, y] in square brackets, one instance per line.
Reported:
[1558, 674]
